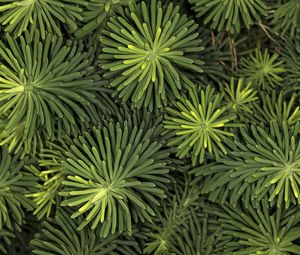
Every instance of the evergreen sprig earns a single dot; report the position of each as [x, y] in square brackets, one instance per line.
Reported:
[50, 173]
[148, 52]
[155, 127]
[60, 237]
[286, 18]
[199, 123]
[240, 95]
[230, 15]
[117, 175]
[165, 231]
[278, 107]
[95, 14]
[262, 70]
[19, 16]
[41, 80]
[263, 230]
[291, 58]
[15, 183]
[264, 163]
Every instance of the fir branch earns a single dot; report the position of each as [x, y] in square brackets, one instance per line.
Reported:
[278, 107]
[263, 230]
[19, 16]
[263, 70]
[199, 123]
[291, 57]
[41, 80]
[264, 163]
[96, 13]
[15, 183]
[166, 229]
[240, 96]
[147, 51]
[229, 15]
[285, 18]
[117, 175]
[60, 237]
[51, 174]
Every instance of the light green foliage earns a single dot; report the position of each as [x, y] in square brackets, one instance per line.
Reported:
[240, 96]
[199, 124]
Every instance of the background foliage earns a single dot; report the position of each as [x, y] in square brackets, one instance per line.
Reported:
[149, 127]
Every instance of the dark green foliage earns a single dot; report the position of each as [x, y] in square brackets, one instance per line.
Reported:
[286, 18]
[20, 243]
[265, 230]
[214, 55]
[230, 15]
[263, 163]
[276, 107]
[149, 127]
[147, 53]
[291, 57]
[164, 233]
[41, 79]
[263, 70]
[44, 15]
[180, 227]
[5, 240]
[116, 175]
[60, 236]
[95, 14]
[15, 183]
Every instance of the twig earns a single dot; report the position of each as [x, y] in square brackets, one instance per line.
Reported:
[233, 53]
[265, 29]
